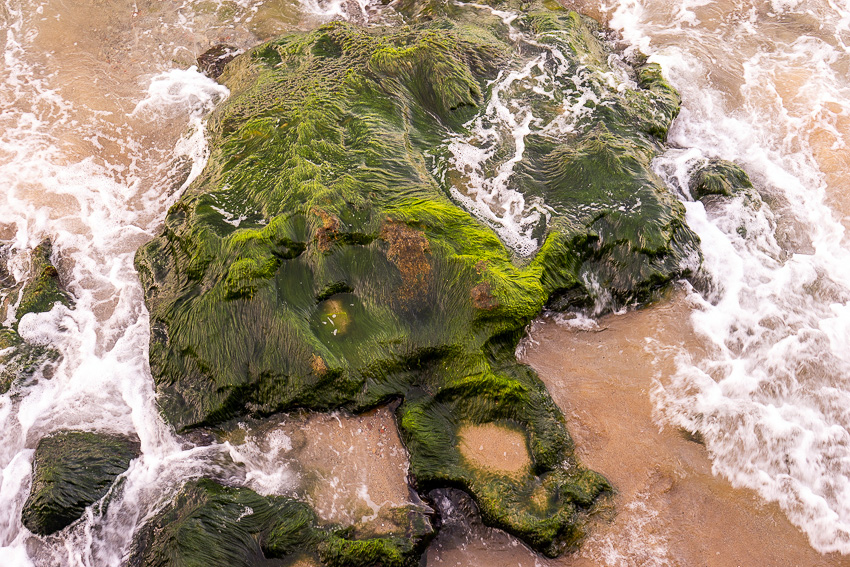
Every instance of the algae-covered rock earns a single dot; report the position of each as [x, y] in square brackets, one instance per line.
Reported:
[718, 177]
[10, 342]
[44, 288]
[20, 359]
[320, 261]
[210, 525]
[72, 470]
[39, 293]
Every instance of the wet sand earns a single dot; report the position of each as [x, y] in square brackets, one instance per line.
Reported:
[670, 509]
[495, 448]
[352, 469]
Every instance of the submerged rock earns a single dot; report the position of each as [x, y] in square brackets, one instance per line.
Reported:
[19, 359]
[72, 470]
[44, 288]
[212, 61]
[212, 525]
[718, 177]
[319, 261]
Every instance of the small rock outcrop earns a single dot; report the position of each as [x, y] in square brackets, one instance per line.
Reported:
[718, 177]
[39, 293]
[73, 470]
[212, 61]
[44, 288]
[213, 525]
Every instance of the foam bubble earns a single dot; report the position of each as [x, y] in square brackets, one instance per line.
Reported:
[263, 458]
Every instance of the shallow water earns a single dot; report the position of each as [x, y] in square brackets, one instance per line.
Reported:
[669, 509]
[765, 84]
[96, 103]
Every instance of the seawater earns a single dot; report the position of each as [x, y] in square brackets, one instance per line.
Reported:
[765, 84]
[101, 127]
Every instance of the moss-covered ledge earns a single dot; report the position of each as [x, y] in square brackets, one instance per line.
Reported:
[320, 262]
[209, 524]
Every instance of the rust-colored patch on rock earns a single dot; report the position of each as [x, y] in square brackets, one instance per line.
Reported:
[482, 298]
[326, 235]
[318, 365]
[409, 251]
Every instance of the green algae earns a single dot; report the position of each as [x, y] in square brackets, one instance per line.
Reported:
[353, 279]
[211, 525]
[19, 359]
[44, 289]
[72, 470]
[718, 177]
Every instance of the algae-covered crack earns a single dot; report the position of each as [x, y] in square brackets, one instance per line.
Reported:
[359, 279]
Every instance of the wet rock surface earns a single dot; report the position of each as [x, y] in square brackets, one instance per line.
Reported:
[719, 177]
[71, 471]
[38, 293]
[44, 288]
[319, 262]
[212, 61]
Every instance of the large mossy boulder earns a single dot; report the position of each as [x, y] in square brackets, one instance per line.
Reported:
[73, 470]
[319, 261]
[208, 525]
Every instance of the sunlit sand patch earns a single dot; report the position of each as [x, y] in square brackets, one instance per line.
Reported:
[496, 448]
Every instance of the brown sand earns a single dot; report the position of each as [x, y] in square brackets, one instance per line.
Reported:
[670, 509]
[352, 469]
[496, 448]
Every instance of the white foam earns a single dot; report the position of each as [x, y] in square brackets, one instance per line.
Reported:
[262, 459]
[489, 195]
[634, 542]
[577, 321]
